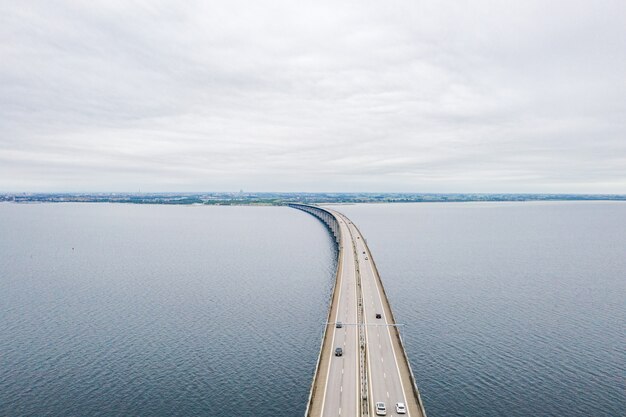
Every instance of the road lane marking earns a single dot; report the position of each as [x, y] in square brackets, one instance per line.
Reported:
[369, 364]
[393, 351]
[356, 338]
[332, 341]
[357, 343]
[366, 285]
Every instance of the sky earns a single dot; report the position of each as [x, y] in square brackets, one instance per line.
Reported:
[381, 96]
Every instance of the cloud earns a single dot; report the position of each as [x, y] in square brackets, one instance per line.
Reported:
[437, 96]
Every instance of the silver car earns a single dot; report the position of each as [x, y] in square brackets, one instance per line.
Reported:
[400, 408]
[381, 410]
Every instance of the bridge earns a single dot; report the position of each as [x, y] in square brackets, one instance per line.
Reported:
[373, 366]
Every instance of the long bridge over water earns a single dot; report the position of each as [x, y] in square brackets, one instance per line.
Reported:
[373, 366]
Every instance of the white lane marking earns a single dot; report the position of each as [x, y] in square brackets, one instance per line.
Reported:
[393, 351]
[356, 338]
[367, 342]
[365, 321]
[357, 344]
[332, 342]
[369, 287]
[350, 256]
[387, 394]
[369, 365]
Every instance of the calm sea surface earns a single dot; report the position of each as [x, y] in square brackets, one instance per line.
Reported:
[130, 310]
[510, 309]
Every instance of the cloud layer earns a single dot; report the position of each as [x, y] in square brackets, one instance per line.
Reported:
[435, 96]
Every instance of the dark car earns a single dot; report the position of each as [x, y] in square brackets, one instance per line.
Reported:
[379, 316]
[339, 352]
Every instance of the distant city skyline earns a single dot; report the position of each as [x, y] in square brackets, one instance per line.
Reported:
[281, 199]
[278, 96]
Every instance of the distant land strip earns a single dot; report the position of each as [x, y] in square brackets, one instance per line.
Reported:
[277, 199]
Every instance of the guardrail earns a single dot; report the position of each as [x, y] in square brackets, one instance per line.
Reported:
[336, 232]
[414, 388]
[331, 221]
[325, 216]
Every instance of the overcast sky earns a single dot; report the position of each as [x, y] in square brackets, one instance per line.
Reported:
[416, 96]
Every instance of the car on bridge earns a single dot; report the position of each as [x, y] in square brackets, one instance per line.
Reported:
[339, 325]
[400, 408]
[379, 316]
[381, 410]
[339, 352]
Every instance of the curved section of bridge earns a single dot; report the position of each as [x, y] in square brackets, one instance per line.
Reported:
[373, 366]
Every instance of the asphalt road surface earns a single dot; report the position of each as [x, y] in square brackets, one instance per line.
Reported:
[341, 391]
[341, 394]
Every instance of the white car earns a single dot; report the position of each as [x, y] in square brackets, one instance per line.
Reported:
[381, 410]
[400, 408]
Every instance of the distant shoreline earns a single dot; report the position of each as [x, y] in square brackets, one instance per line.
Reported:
[279, 199]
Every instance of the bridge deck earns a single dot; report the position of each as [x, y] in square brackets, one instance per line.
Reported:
[373, 367]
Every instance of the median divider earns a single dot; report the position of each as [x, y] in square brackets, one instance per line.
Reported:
[314, 404]
[396, 332]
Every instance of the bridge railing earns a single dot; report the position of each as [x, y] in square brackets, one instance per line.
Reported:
[414, 388]
[333, 226]
[325, 216]
[332, 223]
